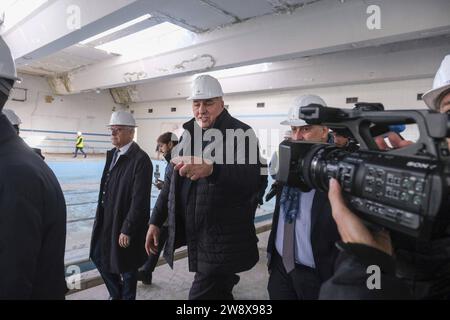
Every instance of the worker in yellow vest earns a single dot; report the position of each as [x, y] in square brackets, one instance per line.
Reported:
[79, 145]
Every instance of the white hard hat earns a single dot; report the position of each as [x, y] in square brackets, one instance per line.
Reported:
[79, 133]
[7, 66]
[122, 118]
[441, 83]
[205, 87]
[294, 112]
[12, 117]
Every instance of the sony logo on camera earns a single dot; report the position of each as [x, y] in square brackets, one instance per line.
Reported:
[419, 165]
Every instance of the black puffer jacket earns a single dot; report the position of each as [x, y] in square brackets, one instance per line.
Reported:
[219, 231]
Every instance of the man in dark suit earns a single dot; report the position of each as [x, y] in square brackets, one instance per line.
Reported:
[301, 250]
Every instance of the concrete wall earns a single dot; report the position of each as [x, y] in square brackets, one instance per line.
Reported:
[52, 125]
[394, 95]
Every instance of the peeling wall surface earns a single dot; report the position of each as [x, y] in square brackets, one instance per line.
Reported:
[265, 121]
[53, 126]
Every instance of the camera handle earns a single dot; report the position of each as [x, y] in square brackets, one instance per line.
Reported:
[434, 127]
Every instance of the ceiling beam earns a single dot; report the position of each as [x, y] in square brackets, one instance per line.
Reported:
[64, 23]
[322, 27]
[418, 59]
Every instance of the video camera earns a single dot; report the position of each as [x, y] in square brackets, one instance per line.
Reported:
[405, 190]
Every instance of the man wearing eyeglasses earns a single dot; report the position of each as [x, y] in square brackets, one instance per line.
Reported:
[209, 204]
[438, 98]
[301, 250]
[123, 210]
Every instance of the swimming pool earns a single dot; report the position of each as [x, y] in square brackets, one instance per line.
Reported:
[80, 182]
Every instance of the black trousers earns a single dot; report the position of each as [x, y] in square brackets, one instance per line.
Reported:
[213, 286]
[150, 265]
[302, 283]
[120, 286]
[81, 150]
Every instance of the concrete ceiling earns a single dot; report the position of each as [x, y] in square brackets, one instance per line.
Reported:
[195, 15]
[225, 34]
[66, 60]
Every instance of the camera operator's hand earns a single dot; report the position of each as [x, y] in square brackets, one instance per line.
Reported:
[350, 227]
[394, 139]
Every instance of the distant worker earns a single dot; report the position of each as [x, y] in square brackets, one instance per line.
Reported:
[32, 212]
[123, 211]
[166, 142]
[16, 122]
[79, 145]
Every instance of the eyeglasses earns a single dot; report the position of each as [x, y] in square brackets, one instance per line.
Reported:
[117, 130]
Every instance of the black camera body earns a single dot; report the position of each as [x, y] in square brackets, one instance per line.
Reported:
[405, 190]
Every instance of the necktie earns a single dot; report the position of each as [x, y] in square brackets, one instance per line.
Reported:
[289, 241]
[114, 159]
[288, 246]
[290, 203]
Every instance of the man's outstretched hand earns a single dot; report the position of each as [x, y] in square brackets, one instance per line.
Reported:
[193, 168]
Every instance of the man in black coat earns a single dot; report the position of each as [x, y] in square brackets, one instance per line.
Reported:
[32, 212]
[301, 248]
[210, 203]
[118, 237]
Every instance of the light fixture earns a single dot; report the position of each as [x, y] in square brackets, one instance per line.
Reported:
[118, 28]
[160, 38]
